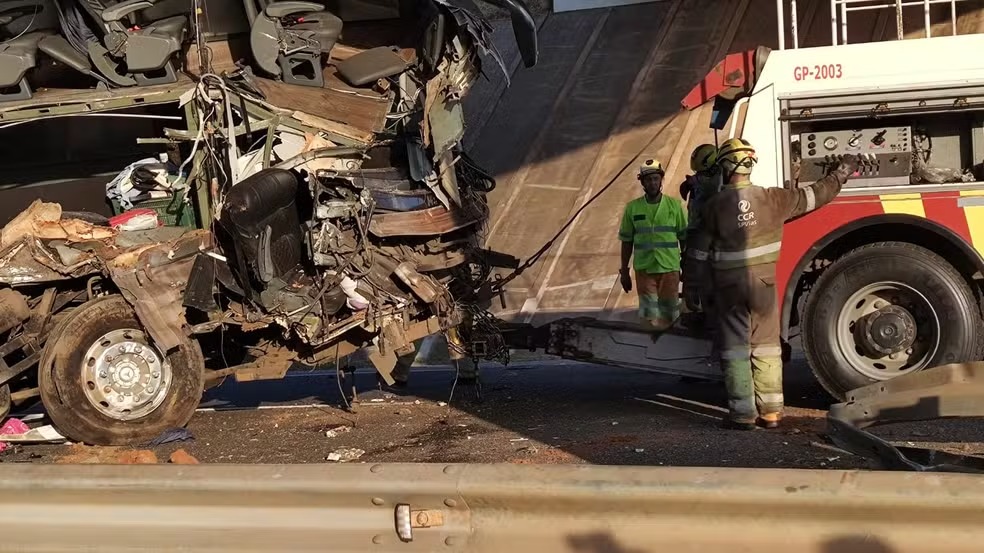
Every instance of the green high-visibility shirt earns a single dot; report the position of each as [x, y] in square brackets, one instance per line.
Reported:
[655, 231]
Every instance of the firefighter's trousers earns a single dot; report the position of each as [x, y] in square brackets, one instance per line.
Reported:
[708, 303]
[751, 354]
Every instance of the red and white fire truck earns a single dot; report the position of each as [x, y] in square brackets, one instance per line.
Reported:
[886, 280]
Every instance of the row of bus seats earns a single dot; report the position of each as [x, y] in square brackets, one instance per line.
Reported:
[115, 44]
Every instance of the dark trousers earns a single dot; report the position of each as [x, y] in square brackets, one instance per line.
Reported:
[748, 333]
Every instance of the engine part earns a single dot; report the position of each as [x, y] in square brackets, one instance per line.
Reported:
[421, 285]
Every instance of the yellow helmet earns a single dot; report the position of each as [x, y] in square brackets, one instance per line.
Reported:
[703, 158]
[651, 166]
[736, 155]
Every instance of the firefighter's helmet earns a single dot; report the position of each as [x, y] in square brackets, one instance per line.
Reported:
[651, 166]
[736, 155]
[703, 158]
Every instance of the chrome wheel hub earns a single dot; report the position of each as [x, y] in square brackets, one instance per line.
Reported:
[124, 376]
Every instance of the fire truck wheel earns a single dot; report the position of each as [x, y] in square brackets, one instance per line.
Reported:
[884, 310]
[103, 382]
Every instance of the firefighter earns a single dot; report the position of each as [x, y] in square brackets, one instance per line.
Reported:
[742, 225]
[652, 232]
[695, 190]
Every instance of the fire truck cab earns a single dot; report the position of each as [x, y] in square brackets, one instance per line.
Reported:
[885, 280]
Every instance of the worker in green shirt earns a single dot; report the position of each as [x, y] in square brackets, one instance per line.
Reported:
[652, 233]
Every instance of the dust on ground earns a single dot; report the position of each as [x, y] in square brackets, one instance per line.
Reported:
[538, 413]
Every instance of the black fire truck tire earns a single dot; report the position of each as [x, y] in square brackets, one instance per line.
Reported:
[102, 381]
[947, 329]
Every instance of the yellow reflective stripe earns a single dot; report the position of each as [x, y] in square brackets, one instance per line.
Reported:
[904, 204]
[975, 220]
[770, 399]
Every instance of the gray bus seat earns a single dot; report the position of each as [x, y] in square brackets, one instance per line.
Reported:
[17, 57]
[23, 24]
[122, 52]
[288, 39]
[370, 66]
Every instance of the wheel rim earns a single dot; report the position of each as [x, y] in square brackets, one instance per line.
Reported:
[123, 376]
[888, 329]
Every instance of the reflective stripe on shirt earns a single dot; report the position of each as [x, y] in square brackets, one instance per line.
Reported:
[655, 245]
[747, 254]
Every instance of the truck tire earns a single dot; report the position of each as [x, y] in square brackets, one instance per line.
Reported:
[103, 382]
[887, 309]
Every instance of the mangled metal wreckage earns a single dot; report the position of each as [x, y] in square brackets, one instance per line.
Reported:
[311, 248]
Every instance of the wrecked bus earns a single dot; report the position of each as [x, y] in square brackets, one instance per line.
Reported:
[310, 173]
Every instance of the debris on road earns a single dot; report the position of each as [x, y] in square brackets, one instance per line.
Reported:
[345, 454]
[172, 435]
[14, 431]
[334, 432]
[441, 404]
[98, 455]
[182, 457]
[640, 450]
[12, 427]
[137, 457]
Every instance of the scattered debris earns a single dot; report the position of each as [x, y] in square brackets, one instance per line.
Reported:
[16, 432]
[345, 454]
[832, 459]
[13, 427]
[334, 432]
[172, 435]
[182, 457]
[519, 440]
[614, 423]
[640, 450]
[416, 402]
[137, 457]
[442, 404]
[796, 431]
[405, 412]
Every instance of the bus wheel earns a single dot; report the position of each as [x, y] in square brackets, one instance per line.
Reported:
[5, 403]
[884, 310]
[103, 382]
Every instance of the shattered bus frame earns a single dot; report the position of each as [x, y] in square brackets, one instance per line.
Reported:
[315, 237]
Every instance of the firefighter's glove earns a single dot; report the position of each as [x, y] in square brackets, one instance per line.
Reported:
[686, 189]
[626, 279]
[691, 296]
[848, 165]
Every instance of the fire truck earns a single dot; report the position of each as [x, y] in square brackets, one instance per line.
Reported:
[885, 280]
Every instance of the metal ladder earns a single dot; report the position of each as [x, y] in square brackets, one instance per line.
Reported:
[839, 10]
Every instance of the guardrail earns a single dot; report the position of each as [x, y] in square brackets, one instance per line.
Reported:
[421, 507]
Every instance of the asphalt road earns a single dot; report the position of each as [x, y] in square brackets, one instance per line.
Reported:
[530, 412]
